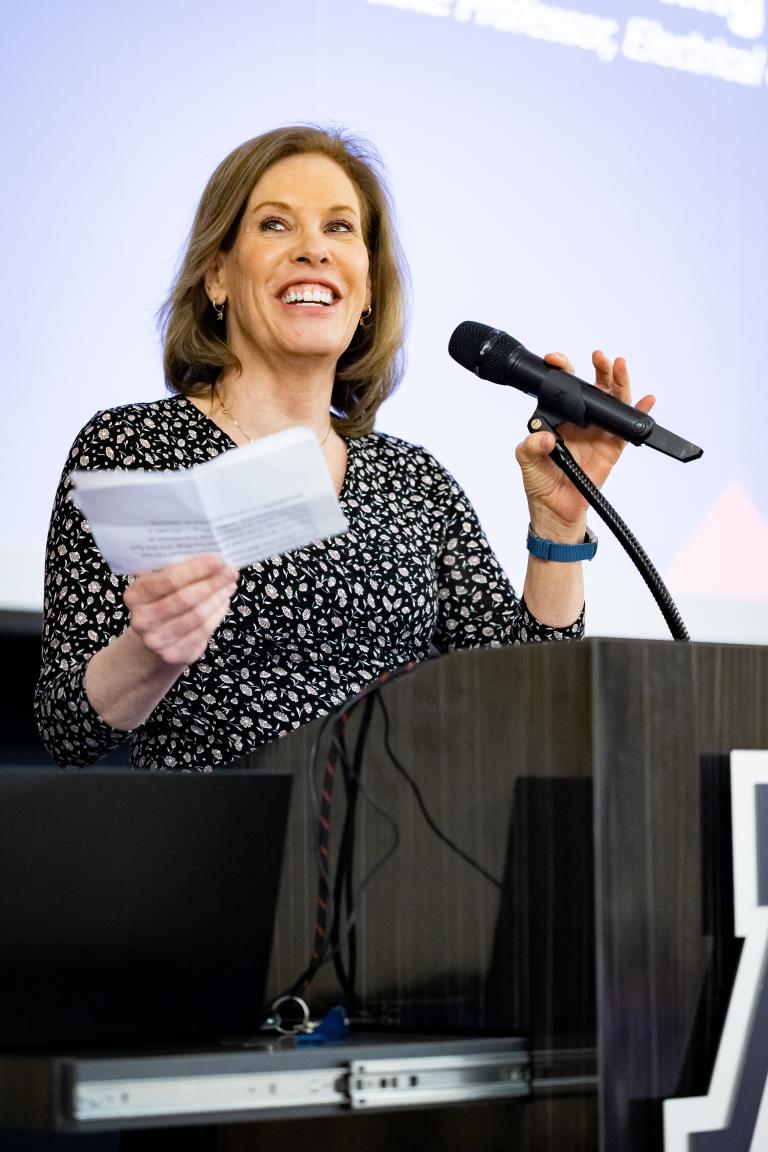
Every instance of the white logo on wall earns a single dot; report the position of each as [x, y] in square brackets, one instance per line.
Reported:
[734, 1113]
[640, 39]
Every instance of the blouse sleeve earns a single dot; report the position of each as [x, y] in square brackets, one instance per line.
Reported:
[82, 611]
[477, 605]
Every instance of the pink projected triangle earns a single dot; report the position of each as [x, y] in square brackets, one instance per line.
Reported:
[727, 555]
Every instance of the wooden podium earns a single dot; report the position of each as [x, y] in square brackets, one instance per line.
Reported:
[591, 779]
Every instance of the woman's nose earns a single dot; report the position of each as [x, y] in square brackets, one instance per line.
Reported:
[312, 248]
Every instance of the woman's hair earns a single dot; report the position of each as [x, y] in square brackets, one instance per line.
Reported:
[194, 349]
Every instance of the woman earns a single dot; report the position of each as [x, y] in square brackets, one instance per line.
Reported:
[288, 309]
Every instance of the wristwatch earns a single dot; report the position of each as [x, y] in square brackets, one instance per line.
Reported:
[549, 550]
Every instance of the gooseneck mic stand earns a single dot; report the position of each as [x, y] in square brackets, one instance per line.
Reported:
[542, 421]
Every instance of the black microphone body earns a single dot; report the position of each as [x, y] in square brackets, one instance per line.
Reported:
[496, 356]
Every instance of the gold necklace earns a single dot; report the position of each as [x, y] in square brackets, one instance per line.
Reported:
[240, 428]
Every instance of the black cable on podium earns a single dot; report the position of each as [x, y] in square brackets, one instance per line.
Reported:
[338, 900]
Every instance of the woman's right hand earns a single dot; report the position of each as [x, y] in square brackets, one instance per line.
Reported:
[175, 610]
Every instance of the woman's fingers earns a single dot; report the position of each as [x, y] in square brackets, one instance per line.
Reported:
[539, 478]
[610, 375]
[594, 448]
[165, 629]
[175, 610]
[531, 450]
[207, 570]
[559, 360]
[607, 376]
[184, 639]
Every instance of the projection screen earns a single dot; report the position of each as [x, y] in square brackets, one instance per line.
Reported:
[581, 175]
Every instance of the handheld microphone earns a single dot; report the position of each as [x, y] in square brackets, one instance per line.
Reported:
[496, 356]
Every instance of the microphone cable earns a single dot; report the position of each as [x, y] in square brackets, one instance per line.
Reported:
[329, 936]
[428, 818]
[338, 899]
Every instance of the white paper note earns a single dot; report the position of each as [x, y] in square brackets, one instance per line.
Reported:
[246, 504]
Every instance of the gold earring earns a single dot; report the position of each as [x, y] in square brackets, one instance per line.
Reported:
[219, 309]
[365, 316]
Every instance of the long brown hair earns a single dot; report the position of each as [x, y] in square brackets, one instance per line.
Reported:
[194, 349]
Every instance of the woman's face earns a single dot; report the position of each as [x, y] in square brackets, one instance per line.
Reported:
[296, 279]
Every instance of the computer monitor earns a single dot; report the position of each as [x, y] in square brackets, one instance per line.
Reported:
[136, 908]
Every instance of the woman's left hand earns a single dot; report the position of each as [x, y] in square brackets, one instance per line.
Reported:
[557, 509]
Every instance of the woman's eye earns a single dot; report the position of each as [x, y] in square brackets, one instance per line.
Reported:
[273, 224]
[340, 226]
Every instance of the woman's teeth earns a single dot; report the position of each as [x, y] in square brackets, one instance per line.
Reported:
[309, 295]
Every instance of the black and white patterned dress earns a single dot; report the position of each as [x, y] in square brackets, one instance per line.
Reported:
[305, 631]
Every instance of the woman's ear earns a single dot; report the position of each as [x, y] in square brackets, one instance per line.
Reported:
[214, 280]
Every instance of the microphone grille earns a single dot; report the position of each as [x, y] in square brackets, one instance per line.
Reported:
[466, 342]
[482, 349]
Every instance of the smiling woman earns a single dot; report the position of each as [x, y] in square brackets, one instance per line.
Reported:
[325, 183]
[289, 309]
[295, 285]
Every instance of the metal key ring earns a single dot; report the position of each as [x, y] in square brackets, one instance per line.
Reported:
[300, 1024]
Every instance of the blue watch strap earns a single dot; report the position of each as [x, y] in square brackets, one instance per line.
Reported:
[549, 550]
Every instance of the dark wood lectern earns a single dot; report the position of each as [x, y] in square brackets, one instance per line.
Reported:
[591, 779]
[589, 782]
